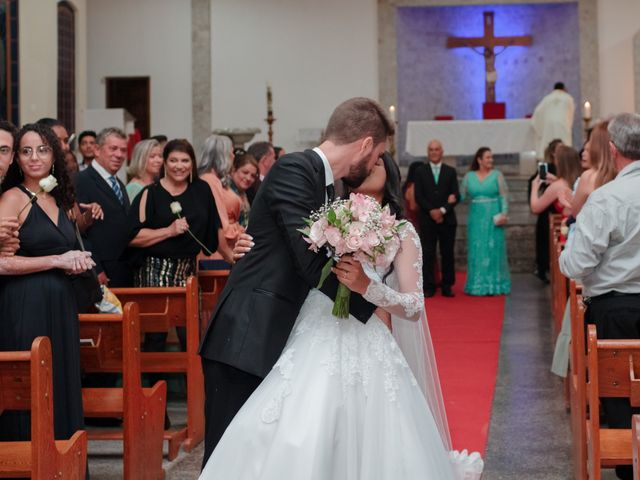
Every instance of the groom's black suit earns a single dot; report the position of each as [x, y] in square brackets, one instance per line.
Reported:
[267, 287]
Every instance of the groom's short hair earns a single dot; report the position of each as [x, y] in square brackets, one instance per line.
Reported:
[357, 118]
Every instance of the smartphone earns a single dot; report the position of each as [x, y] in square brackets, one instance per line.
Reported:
[543, 168]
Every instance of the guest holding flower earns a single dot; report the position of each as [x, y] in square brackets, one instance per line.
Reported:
[146, 163]
[487, 264]
[38, 192]
[243, 175]
[166, 244]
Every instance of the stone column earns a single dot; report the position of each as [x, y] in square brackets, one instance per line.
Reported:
[201, 71]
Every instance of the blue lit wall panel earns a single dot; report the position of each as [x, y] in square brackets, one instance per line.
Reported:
[434, 80]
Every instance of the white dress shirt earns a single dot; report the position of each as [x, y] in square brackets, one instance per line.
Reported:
[102, 171]
[328, 174]
[605, 251]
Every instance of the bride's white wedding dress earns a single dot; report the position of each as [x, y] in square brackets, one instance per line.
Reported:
[343, 402]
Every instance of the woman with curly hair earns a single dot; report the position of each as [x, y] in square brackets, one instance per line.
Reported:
[42, 302]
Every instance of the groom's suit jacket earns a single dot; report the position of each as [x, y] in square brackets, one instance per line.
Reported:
[267, 287]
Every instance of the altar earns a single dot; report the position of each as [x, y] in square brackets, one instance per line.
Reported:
[464, 137]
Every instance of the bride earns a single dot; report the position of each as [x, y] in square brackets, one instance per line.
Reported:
[347, 400]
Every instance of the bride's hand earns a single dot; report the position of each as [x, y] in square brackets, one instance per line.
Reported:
[350, 273]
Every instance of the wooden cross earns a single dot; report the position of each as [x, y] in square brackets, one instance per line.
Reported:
[489, 41]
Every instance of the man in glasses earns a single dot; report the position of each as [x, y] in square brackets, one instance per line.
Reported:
[9, 242]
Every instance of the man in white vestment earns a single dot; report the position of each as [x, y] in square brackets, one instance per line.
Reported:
[553, 118]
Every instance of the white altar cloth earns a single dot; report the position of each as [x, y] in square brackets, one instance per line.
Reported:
[464, 137]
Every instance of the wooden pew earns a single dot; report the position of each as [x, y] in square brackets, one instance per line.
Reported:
[116, 348]
[26, 384]
[578, 382]
[211, 284]
[160, 310]
[612, 373]
[635, 439]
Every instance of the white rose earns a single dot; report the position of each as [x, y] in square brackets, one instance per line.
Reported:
[48, 183]
[176, 208]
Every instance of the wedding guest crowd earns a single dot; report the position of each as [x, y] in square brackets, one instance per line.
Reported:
[603, 255]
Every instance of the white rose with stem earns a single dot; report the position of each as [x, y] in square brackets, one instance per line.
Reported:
[46, 185]
[176, 209]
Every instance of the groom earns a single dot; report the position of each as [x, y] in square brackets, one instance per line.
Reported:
[259, 305]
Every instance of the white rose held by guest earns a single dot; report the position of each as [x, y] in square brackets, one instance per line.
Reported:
[358, 226]
[47, 184]
[176, 209]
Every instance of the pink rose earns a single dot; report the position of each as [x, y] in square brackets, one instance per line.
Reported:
[317, 232]
[333, 236]
[360, 206]
[354, 242]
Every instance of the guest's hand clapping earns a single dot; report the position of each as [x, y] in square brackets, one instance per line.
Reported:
[94, 208]
[74, 262]
[178, 227]
[350, 273]
[244, 243]
[9, 242]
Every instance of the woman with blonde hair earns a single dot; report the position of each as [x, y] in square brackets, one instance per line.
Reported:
[214, 165]
[146, 163]
[601, 167]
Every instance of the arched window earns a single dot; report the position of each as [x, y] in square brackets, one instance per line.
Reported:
[9, 108]
[66, 65]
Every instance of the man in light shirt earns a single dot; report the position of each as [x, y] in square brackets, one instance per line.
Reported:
[605, 255]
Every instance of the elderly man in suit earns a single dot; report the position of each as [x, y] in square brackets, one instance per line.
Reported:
[107, 238]
[437, 193]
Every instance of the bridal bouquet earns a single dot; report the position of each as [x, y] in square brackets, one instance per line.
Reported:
[359, 226]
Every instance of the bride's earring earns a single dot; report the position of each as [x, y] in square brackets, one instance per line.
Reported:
[53, 169]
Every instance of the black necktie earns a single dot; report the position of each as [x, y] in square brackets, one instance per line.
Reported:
[331, 193]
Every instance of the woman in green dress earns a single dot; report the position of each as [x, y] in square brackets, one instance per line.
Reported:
[487, 264]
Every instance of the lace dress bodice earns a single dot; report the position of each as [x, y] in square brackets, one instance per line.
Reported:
[400, 293]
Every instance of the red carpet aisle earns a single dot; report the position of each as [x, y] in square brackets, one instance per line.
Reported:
[466, 336]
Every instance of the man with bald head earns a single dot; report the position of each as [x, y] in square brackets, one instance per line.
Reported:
[437, 193]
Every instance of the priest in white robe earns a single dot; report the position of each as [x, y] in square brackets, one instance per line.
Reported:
[553, 118]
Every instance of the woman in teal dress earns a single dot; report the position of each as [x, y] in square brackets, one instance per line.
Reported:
[487, 264]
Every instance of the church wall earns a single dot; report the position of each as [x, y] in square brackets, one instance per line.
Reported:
[38, 51]
[39, 59]
[314, 55]
[618, 22]
[144, 38]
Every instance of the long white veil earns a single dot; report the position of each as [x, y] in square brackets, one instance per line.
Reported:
[414, 339]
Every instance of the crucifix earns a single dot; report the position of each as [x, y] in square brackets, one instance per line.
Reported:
[489, 41]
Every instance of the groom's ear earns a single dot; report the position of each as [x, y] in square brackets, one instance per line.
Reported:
[366, 145]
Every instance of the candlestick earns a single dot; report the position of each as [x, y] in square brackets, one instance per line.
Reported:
[392, 113]
[587, 110]
[270, 118]
[269, 101]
